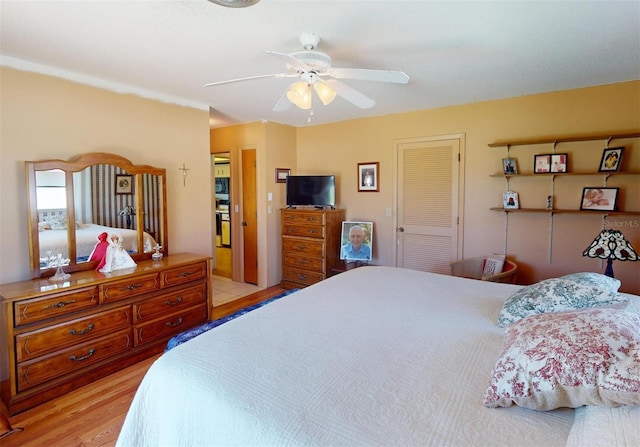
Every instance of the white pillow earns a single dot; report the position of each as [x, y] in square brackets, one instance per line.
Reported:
[569, 359]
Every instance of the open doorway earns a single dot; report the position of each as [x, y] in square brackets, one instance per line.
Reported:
[221, 170]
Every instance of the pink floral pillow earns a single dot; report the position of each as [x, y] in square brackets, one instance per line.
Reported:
[569, 359]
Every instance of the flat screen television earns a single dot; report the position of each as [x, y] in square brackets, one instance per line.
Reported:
[311, 190]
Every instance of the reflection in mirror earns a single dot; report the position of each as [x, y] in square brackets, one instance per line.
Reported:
[72, 203]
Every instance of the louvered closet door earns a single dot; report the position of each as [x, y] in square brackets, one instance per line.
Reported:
[428, 204]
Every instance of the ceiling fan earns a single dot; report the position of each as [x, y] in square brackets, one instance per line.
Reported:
[315, 73]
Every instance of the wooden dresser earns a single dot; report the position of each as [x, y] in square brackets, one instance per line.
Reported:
[58, 336]
[310, 245]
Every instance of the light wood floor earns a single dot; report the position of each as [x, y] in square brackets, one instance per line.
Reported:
[93, 415]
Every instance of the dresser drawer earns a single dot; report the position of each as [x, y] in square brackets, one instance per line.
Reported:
[53, 338]
[170, 303]
[34, 372]
[119, 290]
[38, 309]
[180, 275]
[316, 231]
[301, 276]
[302, 218]
[171, 324]
[303, 247]
[291, 259]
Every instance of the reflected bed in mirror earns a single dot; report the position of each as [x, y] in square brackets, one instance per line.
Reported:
[72, 202]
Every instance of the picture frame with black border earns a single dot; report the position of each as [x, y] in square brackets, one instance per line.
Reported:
[611, 159]
[542, 164]
[509, 166]
[559, 163]
[368, 176]
[597, 198]
[124, 184]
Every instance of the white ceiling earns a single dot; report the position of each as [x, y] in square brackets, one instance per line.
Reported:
[455, 52]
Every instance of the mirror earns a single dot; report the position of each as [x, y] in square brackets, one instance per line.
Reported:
[72, 202]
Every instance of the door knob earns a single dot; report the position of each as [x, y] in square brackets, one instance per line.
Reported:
[244, 224]
[400, 230]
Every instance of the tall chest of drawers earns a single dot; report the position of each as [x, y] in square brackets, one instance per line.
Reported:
[310, 245]
[58, 336]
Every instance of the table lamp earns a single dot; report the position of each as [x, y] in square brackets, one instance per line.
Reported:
[610, 245]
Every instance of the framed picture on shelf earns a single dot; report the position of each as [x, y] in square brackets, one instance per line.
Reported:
[368, 176]
[595, 198]
[559, 163]
[611, 159]
[542, 163]
[510, 200]
[124, 184]
[509, 166]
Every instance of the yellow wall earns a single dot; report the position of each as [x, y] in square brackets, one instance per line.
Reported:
[337, 148]
[44, 117]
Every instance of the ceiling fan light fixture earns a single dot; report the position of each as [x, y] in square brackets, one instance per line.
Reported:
[300, 95]
[324, 92]
[235, 3]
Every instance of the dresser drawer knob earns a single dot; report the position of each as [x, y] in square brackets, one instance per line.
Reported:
[301, 276]
[73, 358]
[170, 324]
[173, 303]
[302, 247]
[60, 304]
[185, 274]
[303, 261]
[83, 331]
[133, 287]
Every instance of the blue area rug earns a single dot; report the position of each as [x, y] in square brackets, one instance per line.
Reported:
[188, 335]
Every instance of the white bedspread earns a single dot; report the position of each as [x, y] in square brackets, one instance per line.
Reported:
[373, 356]
[86, 239]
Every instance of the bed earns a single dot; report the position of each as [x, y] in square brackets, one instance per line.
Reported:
[373, 356]
[55, 241]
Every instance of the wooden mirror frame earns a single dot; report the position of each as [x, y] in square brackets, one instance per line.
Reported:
[78, 164]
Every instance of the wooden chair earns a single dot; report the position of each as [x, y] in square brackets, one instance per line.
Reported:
[472, 268]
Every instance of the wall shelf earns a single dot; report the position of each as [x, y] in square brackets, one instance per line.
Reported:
[553, 176]
[552, 140]
[566, 211]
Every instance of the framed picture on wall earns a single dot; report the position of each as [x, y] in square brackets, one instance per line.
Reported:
[368, 176]
[282, 174]
[611, 159]
[124, 184]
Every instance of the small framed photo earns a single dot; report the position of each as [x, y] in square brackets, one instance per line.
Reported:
[282, 174]
[611, 159]
[510, 200]
[542, 164]
[124, 184]
[509, 166]
[559, 163]
[356, 241]
[368, 178]
[595, 198]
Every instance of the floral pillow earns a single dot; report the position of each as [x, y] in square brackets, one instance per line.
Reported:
[557, 295]
[57, 222]
[594, 279]
[569, 359]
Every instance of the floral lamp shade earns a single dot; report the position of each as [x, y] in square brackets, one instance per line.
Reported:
[610, 245]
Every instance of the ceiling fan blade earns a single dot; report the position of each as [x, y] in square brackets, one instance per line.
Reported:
[397, 77]
[250, 78]
[297, 63]
[350, 94]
